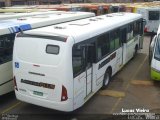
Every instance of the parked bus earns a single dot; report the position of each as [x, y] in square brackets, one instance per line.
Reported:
[154, 56]
[152, 17]
[8, 29]
[62, 66]
[5, 16]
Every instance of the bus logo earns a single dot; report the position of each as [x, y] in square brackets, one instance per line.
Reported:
[111, 57]
[39, 84]
[16, 65]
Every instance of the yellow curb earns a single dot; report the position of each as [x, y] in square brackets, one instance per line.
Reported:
[142, 82]
[112, 93]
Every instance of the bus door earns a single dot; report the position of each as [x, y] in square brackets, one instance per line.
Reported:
[141, 28]
[89, 68]
[123, 39]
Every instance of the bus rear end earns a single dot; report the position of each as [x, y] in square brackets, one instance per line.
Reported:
[41, 76]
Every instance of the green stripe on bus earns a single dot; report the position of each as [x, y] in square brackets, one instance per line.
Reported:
[155, 75]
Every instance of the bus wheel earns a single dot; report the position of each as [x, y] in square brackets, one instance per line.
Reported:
[135, 51]
[106, 79]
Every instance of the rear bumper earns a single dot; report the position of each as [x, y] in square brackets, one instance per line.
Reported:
[61, 106]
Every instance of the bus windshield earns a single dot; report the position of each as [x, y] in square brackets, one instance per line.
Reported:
[157, 49]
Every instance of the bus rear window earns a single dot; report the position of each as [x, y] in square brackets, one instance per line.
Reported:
[154, 15]
[52, 49]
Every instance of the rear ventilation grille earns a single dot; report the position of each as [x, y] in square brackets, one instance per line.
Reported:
[115, 14]
[109, 15]
[96, 19]
[59, 27]
[21, 18]
[40, 16]
[118, 14]
[93, 19]
[79, 24]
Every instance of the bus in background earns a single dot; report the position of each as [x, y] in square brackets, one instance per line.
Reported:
[154, 56]
[152, 17]
[5, 16]
[68, 63]
[8, 29]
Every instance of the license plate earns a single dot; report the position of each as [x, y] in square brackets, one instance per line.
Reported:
[37, 93]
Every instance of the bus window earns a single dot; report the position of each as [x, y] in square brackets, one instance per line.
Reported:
[130, 32]
[123, 35]
[6, 47]
[154, 15]
[102, 45]
[78, 59]
[136, 28]
[112, 45]
[157, 49]
[52, 49]
[116, 38]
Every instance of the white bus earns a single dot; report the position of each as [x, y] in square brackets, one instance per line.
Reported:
[154, 56]
[8, 29]
[152, 17]
[6, 16]
[62, 66]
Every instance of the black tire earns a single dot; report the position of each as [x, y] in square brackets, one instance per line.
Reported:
[135, 51]
[106, 79]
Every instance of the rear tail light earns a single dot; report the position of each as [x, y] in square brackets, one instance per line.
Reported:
[64, 95]
[145, 29]
[15, 83]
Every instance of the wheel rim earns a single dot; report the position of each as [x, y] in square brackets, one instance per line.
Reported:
[106, 81]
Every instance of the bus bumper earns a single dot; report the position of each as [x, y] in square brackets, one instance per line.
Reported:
[155, 75]
[66, 106]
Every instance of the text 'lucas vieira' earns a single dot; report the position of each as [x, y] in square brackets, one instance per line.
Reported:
[138, 110]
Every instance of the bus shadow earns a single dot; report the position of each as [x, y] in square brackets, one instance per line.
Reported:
[6, 98]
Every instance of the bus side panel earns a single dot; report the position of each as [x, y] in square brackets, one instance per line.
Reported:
[79, 90]
[6, 77]
[100, 68]
[129, 48]
[155, 69]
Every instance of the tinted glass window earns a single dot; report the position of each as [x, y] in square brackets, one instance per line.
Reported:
[130, 32]
[114, 40]
[102, 45]
[52, 49]
[135, 28]
[6, 47]
[78, 59]
[157, 49]
[154, 15]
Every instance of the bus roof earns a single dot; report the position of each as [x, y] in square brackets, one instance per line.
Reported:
[87, 28]
[5, 16]
[27, 23]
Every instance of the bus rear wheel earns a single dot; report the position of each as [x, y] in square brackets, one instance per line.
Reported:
[107, 78]
[135, 51]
